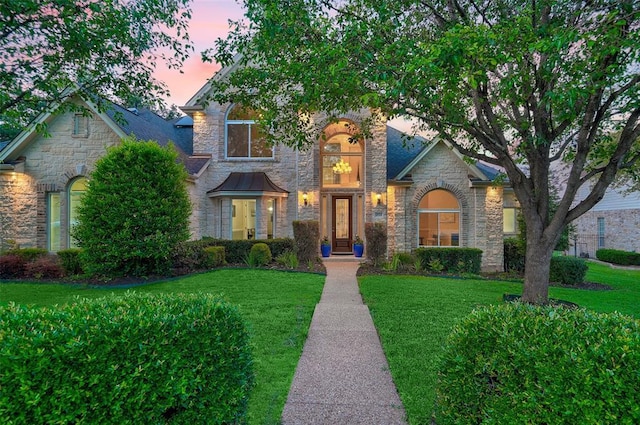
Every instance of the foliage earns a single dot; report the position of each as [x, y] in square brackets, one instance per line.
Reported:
[260, 255]
[70, 261]
[306, 235]
[325, 241]
[617, 256]
[135, 211]
[517, 84]
[236, 251]
[189, 256]
[11, 266]
[108, 49]
[376, 234]
[357, 240]
[586, 363]
[141, 358]
[288, 259]
[452, 260]
[27, 254]
[568, 270]
[215, 256]
[514, 255]
[44, 267]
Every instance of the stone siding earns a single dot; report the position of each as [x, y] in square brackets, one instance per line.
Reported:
[621, 229]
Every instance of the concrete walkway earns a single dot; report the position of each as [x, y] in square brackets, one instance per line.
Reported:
[342, 377]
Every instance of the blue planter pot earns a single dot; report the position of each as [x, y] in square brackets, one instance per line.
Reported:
[325, 250]
[358, 250]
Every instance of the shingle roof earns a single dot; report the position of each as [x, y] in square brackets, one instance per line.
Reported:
[401, 150]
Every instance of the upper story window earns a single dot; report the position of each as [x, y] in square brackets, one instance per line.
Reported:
[243, 135]
[341, 157]
[80, 125]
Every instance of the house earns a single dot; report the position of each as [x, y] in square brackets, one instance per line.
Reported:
[240, 188]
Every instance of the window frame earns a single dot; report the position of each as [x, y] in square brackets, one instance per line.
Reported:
[515, 220]
[71, 243]
[601, 232]
[54, 242]
[439, 212]
[249, 123]
[342, 156]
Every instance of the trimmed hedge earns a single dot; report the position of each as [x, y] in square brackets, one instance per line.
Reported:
[306, 235]
[27, 254]
[518, 363]
[215, 256]
[616, 256]
[133, 359]
[567, 270]
[70, 261]
[236, 251]
[376, 236]
[260, 255]
[452, 260]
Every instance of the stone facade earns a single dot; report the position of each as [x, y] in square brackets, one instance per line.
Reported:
[620, 232]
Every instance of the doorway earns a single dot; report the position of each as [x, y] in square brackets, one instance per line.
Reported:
[341, 231]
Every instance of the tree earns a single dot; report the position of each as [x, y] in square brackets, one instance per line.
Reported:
[135, 211]
[109, 49]
[519, 84]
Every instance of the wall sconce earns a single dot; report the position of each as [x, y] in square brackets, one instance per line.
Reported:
[379, 198]
[305, 198]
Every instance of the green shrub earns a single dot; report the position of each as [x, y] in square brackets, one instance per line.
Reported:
[514, 255]
[452, 260]
[405, 258]
[260, 255]
[215, 256]
[237, 251]
[70, 261]
[189, 256]
[28, 254]
[288, 259]
[133, 359]
[135, 211]
[616, 256]
[306, 235]
[567, 270]
[522, 364]
[376, 235]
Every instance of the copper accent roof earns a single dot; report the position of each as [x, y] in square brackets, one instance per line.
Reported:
[247, 182]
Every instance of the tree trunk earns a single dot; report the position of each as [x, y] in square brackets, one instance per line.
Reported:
[536, 274]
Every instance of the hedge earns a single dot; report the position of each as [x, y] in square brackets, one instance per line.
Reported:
[237, 251]
[567, 270]
[616, 256]
[70, 261]
[523, 364]
[452, 260]
[133, 359]
[306, 234]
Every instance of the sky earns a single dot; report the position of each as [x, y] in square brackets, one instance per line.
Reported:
[209, 21]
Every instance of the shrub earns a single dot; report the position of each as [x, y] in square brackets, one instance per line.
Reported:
[215, 256]
[376, 235]
[616, 256]
[260, 255]
[46, 267]
[288, 259]
[567, 270]
[11, 266]
[28, 254]
[189, 256]
[452, 260]
[135, 211]
[70, 261]
[518, 363]
[514, 255]
[133, 359]
[306, 235]
[405, 258]
[236, 251]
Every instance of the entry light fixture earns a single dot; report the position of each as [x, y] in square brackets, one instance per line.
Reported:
[379, 198]
[305, 198]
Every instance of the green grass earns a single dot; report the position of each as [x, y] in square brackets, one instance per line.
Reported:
[277, 305]
[414, 315]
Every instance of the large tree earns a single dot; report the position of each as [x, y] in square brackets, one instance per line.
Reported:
[515, 83]
[108, 48]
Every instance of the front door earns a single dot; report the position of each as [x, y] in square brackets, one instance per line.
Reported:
[341, 226]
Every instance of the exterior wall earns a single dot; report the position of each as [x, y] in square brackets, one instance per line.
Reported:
[621, 230]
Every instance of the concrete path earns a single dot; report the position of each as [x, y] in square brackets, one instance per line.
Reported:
[342, 377]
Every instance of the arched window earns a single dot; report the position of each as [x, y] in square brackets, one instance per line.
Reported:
[77, 188]
[243, 136]
[341, 157]
[439, 219]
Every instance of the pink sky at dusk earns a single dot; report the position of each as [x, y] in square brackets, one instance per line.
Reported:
[209, 21]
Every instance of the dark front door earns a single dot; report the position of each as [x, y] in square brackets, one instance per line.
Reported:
[341, 226]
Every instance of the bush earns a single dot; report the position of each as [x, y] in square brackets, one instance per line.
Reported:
[70, 261]
[376, 235]
[28, 254]
[514, 255]
[616, 256]
[46, 267]
[135, 211]
[522, 364]
[215, 256]
[451, 260]
[133, 359]
[237, 251]
[260, 255]
[189, 256]
[288, 259]
[12, 266]
[567, 270]
[306, 235]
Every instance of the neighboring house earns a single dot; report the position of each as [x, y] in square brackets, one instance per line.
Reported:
[242, 189]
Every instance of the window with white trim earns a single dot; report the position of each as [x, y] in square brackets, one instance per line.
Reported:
[53, 221]
[244, 138]
[439, 219]
[600, 232]
[76, 191]
[510, 220]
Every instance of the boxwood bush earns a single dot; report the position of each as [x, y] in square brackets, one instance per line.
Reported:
[236, 251]
[567, 270]
[452, 260]
[133, 359]
[523, 364]
[616, 256]
[70, 261]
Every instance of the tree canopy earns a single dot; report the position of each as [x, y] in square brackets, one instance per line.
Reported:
[108, 49]
[520, 84]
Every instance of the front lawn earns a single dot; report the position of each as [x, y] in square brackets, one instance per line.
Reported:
[414, 315]
[277, 305]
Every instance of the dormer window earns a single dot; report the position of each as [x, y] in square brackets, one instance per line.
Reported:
[243, 136]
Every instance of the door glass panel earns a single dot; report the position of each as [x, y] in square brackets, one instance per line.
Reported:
[243, 219]
[342, 218]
